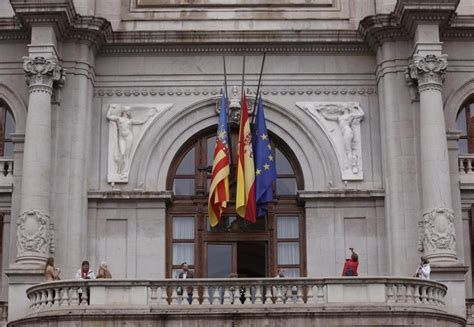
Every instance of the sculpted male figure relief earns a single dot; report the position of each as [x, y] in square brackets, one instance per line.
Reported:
[346, 116]
[122, 116]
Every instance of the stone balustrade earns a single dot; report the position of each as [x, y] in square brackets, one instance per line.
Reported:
[466, 168]
[6, 171]
[235, 292]
[241, 302]
[470, 312]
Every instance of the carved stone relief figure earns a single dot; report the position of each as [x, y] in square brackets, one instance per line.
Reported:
[341, 123]
[127, 124]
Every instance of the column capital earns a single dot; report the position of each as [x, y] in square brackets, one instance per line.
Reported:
[427, 71]
[42, 74]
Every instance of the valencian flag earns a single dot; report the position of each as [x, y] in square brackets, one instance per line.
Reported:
[219, 190]
[265, 171]
[245, 202]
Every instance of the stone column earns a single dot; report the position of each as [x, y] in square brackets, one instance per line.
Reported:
[438, 234]
[34, 236]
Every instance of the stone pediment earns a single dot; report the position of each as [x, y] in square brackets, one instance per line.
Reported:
[340, 121]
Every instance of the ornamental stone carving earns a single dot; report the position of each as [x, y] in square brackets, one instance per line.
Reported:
[34, 234]
[43, 73]
[127, 125]
[439, 237]
[340, 121]
[428, 71]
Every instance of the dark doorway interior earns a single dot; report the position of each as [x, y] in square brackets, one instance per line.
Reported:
[251, 259]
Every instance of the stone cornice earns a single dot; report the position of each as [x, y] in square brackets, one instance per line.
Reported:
[10, 29]
[59, 13]
[378, 29]
[409, 13]
[372, 32]
[461, 27]
[327, 41]
[402, 22]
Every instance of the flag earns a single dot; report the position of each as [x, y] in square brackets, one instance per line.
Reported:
[245, 202]
[219, 189]
[265, 170]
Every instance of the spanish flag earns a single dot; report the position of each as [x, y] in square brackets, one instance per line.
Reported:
[245, 203]
[219, 190]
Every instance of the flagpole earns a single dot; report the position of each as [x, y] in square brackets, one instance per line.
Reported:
[258, 89]
[227, 103]
[225, 80]
[243, 76]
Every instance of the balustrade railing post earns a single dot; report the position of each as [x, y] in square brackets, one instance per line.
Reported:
[299, 294]
[227, 296]
[248, 295]
[75, 296]
[153, 295]
[423, 295]
[258, 294]
[205, 295]
[56, 297]
[409, 294]
[175, 298]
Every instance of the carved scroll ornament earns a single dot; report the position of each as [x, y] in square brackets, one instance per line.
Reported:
[428, 71]
[439, 233]
[43, 73]
[34, 233]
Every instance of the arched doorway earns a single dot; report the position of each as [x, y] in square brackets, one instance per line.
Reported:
[234, 245]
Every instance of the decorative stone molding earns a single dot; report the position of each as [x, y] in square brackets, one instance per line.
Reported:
[409, 13]
[43, 73]
[232, 49]
[206, 91]
[34, 234]
[340, 121]
[402, 22]
[127, 125]
[439, 236]
[428, 71]
[61, 14]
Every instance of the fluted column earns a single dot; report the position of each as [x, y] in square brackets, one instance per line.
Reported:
[34, 232]
[438, 234]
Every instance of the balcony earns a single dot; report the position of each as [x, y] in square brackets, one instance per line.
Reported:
[241, 302]
[466, 169]
[6, 172]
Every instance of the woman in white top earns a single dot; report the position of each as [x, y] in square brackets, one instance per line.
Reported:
[424, 270]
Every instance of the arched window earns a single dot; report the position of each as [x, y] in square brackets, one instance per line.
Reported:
[234, 245]
[465, 123]
[7, 127]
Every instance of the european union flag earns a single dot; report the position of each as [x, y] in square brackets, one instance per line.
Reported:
[265, 171]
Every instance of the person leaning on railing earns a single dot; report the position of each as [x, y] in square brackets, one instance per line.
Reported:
[351, 265]
[104, 272]
[85, 273]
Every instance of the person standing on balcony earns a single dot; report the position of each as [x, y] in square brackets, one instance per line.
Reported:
[351, 265]
[85, 272]
[424, 270]
[186, 274]
[50, 271]
[104, 272]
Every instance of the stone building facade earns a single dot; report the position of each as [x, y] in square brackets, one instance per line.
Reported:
[109, 113]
